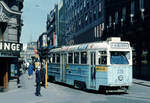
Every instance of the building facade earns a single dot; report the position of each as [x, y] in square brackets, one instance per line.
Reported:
[56, 23]
[50, 24]
[85, 20]
[10, 32]
[61, 23]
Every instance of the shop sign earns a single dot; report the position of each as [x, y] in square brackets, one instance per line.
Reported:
[10, 46]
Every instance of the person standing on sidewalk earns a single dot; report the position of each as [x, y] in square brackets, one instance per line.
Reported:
[30, 70]
[38, 81]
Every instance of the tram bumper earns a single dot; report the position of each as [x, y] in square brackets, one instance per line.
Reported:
[114, 89]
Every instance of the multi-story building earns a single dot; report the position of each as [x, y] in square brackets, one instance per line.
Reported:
[50, 24]
[85, 20]
[61, 23]
[91, 20]
[56, 25]
[10, 32]
[43, 45]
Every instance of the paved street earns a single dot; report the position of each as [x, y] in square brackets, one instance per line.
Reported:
[56, 93]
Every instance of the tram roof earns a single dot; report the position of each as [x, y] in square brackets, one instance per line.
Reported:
[89, 46]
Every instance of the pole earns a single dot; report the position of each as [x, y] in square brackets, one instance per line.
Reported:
[46, 74]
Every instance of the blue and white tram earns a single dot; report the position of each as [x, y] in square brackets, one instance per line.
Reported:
[104, 66]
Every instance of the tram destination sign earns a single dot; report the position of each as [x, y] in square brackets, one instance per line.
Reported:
[10, 46]
[116, 45]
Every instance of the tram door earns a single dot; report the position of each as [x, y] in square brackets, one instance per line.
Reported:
[63, 63]
[93, 71]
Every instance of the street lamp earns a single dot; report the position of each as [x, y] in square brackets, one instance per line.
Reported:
[132, 15]
[142, 13]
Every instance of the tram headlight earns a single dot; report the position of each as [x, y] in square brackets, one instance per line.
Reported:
[120, 77]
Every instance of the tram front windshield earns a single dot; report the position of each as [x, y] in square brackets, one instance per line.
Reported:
[119, 57]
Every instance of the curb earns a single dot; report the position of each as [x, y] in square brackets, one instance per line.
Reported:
[141, 83]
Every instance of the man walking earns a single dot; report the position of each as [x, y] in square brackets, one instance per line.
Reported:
[38, 82]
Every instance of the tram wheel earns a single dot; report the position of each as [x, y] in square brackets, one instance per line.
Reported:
[80, 85]
[75, 84]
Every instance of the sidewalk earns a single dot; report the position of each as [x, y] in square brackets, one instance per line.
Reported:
[141, 82]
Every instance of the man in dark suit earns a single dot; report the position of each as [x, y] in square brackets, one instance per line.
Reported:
[38, 82]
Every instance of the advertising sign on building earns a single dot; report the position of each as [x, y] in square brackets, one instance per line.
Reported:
[9, 46]
[45, 40]
[9, 49]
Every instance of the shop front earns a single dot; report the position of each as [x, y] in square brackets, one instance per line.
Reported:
[9, 66]
[10, 46]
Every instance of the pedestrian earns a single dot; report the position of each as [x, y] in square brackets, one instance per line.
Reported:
[38, 81]
[42, 71]
[18, 73]
[27, 65]
[30, 71]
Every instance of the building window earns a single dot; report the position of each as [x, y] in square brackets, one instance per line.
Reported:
[84, 3]
[90, 16]
[132, 7]
[92, 2]
[95, 32]
[100, 7]
[99, 10]
[116, 17]
[88, 5]
[81, 7]
[110, 21]
[86, 18]
[94, 15]
[98, 30]
[124, 13]
[142, 8]
[141, 4]
[79, 22]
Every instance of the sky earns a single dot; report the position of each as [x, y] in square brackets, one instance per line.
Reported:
[34, 18]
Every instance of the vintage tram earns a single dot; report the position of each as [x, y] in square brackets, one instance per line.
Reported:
[104, 66]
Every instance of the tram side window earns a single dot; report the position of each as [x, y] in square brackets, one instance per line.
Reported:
[102, 57]
[53, 59]
[58, 58]
[50, 59]
[83, 57]
[104, 60]
[70, 57]
[76, 58]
